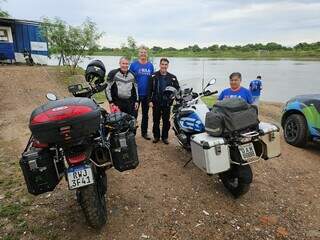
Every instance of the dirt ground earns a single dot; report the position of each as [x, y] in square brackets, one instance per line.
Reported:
[160, 199]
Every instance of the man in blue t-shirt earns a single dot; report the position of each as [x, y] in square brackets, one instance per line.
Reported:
[255, 88]
[143, 69]
[235, 90]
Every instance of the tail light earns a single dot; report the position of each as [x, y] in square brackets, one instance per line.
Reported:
[60, 113]
[37, 144]
[74, 159]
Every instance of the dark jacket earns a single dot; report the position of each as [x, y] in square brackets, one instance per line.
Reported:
[156, 94]
[121, 86]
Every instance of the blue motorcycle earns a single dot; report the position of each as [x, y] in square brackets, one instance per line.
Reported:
[231, 156]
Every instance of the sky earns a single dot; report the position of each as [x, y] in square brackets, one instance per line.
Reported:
[180, 23]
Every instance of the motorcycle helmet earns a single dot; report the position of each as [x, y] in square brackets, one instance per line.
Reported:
[170, 92]
[169, 95]
[95, 72]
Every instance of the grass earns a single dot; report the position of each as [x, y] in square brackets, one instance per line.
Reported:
[210, 100]
[65, 77]
[11, 210]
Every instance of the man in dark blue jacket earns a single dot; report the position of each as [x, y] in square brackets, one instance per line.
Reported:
[160, 101]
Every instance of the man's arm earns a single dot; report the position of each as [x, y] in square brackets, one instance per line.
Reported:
[132, 68]
[250, 86]
[110, 82]
[175, 82]
[135, 90]
[151, 83]
[221, 96]
[249, 97]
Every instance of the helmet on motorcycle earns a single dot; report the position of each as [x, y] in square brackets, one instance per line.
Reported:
[170, 92]
[95, 72]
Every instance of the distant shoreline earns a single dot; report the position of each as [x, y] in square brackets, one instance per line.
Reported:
[221, 56]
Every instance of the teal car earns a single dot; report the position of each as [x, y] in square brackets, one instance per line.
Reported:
[301, 120]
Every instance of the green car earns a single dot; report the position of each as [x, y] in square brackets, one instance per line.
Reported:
[301, 120]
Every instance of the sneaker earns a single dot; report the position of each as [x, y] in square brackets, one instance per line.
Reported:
[165, 141]
[155, 140]
[145, 136]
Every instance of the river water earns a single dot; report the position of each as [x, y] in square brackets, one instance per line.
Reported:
[282, 79]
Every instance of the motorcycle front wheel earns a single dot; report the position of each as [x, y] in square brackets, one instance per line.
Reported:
[93, 203]
[237, 179]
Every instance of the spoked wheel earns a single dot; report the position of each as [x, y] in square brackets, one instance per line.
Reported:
[93, 203]
[237, 179]
[295, 130]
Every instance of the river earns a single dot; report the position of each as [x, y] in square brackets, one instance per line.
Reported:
[282, 79]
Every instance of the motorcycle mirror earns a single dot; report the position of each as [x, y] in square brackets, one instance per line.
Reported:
[212, 81]
[51, 97]
[75, 88]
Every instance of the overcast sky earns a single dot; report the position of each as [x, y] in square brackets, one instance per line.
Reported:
[180, 23]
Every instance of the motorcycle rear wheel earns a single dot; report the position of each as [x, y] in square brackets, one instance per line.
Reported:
[237, 179]
[93, 203]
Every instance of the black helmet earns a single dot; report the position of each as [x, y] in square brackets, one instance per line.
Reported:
[169, 94]
[95, 72]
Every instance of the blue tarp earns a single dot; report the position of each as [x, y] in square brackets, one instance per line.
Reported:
[6, 51]
[23, 34]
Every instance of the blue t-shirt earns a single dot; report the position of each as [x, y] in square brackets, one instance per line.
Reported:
[142, 73]
[241, 93]
[255, 87]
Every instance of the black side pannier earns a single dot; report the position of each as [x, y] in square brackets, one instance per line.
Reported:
[65, 121]
[41, 172]
[230, 116]
[120, 122]
[124, 151]
[123, 144]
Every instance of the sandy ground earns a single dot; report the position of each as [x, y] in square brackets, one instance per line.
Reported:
[161, 199]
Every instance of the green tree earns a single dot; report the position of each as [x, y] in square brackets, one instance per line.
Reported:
[156, 49]
[130, 48]
[3, 13]
[272, 46]
[70, 42]
[214, 47]
[195, 48]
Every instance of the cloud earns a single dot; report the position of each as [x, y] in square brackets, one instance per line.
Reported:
[181, 23]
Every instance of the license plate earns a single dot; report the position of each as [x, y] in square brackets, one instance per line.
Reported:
[79, 176]
[247, 151]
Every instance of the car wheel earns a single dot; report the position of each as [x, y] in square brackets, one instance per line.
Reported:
[296, 130]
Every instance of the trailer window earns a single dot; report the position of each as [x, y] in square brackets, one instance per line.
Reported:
[4, 35]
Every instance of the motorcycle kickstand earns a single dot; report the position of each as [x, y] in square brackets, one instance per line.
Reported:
[187, 162]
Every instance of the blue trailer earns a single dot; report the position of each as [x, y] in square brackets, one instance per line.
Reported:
[22, 36]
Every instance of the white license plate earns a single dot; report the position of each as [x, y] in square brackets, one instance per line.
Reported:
[79, 176]
[247, 151]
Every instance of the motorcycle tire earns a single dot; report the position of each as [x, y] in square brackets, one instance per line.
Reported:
[237, 179]
[93, 203]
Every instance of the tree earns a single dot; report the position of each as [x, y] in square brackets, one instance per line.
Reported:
[3, 13]
[156, 49]
[195, 48]
[130, 48]
[272, 46]
[71, 43]
[170, 49]
[214, 47]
